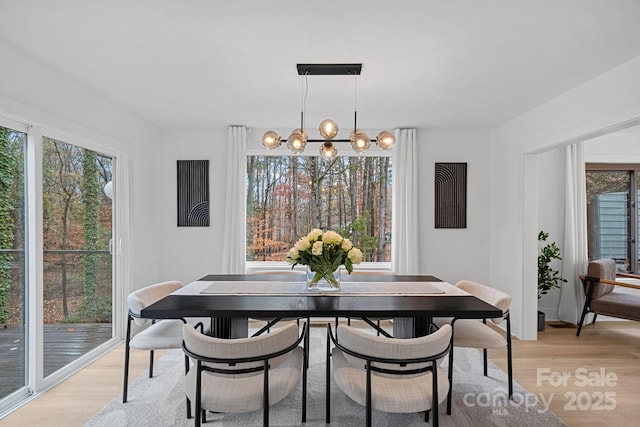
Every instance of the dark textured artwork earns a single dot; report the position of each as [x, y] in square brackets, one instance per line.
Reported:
[193, 193]
[451, 195]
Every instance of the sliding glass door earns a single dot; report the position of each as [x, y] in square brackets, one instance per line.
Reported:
[77, 261]
[58, 270]
[13, 283]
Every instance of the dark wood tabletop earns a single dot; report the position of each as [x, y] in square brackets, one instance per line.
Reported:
[326, 305]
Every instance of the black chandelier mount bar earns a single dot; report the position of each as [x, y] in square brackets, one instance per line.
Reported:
[329, 69]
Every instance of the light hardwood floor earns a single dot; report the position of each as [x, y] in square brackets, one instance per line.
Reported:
[612, 348]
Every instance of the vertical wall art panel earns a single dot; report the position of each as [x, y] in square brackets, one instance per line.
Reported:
[193, 193]
[451, 195]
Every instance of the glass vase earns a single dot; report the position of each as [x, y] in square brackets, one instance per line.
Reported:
[323, 280]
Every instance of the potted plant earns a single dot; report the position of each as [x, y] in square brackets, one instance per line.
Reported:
[548, 277]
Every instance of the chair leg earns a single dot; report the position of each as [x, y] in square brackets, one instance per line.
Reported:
[595, 315]
[449, 393]
[434, 393]
[378, 331]
[198, 410]
[327, 382]
[484, 361]
[305, 367]
[151, 364]
[127, 350]
[509, 357]
[426, 416]
[585, 310]
[186, 370]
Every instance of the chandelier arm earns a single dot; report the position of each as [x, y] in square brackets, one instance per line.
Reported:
[332, 140]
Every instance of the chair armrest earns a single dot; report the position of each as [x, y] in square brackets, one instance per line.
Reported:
[628, 275]
[611, 282]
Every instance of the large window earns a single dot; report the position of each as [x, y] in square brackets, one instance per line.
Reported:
[290, 195]
[612, 213]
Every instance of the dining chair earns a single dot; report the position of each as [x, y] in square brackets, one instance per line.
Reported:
[388, 374]
[245, 374]
[158, 335]
[473, 333]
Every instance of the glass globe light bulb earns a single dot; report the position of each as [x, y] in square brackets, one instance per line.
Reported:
[328, 129]
[297, 141]
[328, 150]
[385, 140]
[271, 140]
[359, 141]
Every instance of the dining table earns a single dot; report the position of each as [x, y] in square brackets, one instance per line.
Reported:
[229, 300]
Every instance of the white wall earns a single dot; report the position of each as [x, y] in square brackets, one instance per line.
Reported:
[455, 254]
[602, 104]
[618, 147]
[451, 254]
[551, 199]
[33, 93]
[189, 253]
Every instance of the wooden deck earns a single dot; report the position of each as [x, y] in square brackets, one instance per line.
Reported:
[63, 343]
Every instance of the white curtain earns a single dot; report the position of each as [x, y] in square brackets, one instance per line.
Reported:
[574, 256]
[405, 239]
[233, 255]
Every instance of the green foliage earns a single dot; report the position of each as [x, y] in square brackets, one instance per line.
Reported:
[90, 201]
[6, 221]
[548, 278]
[357, 232]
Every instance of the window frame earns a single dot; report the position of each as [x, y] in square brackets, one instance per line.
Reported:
[311, 150]
[634, 174]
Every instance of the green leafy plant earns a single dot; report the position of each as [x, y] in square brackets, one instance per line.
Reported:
[548, 277]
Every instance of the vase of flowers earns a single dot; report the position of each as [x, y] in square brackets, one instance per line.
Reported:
[323, 254]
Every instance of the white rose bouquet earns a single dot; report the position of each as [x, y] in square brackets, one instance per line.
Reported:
[324, 253]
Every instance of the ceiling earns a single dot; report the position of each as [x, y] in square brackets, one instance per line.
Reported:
[425, 63]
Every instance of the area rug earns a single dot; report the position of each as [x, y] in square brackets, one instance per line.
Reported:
[477, 400]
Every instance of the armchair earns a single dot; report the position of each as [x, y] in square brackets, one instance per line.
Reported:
[601, 295]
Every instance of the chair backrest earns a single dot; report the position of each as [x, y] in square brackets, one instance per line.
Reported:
[488, 294]
[222, 348]
[393, 348]
[603, 269]
[137, 300]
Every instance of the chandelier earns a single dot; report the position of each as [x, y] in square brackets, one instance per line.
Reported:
[328, 128]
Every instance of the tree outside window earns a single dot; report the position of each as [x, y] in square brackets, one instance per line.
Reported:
[287, 196]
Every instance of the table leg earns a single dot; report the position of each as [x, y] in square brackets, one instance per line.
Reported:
[410, 327]
[229, 327]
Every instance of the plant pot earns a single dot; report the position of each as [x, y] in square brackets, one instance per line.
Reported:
[541, 320]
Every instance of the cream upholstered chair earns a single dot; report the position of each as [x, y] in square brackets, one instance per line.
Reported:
[388, 374]
[601, 296]
[161, 334]
[245, 374]
[473, 333]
